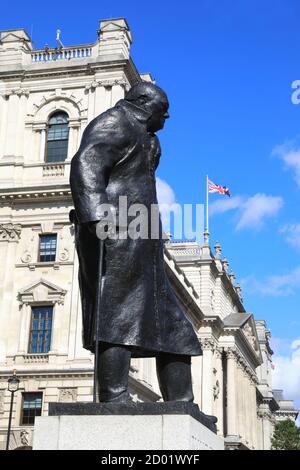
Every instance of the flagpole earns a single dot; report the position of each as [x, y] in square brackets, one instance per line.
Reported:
[206, 231]
[206, 203]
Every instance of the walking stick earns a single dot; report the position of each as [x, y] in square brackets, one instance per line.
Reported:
[97, 316]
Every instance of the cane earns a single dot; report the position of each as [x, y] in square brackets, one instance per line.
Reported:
[97, 316]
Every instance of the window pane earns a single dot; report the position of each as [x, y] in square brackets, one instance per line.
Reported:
[47, 247]
[57, 138]
[40, 333]
[31, 407]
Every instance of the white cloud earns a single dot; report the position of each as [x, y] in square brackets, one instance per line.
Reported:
[292, 232]
[286, 374]
[276, 285]
[167, 202]
[257, 208]
[251, 211]
[223, 205]
[289, 153]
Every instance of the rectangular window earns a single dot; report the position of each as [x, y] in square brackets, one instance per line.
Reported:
[31, 407]
[47, 251]
[40, 331]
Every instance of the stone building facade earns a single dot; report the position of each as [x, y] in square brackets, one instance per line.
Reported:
[47, 97]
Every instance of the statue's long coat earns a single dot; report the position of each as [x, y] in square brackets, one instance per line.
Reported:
[118, 157]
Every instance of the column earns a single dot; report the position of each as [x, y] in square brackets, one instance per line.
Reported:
[3, 120]
[42, 146]
[24, 328]
[73, 139]
[231, 395]
[207, 379]
[253, 413]
[247, 407]
[100, 96]
[219, 399]
[197, 379]
[108, 97]
[21, 125]
[10, 315]
[117, 92]
[12, 118]
[91, 94]
[240, 400]
[57, 345]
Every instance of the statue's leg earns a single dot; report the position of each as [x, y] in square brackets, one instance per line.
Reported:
[174, 377]
[113, 370]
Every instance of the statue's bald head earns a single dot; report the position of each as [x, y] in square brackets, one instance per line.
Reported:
[146, 90]
[153, 100]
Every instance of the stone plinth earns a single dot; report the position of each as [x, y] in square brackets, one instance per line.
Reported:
[137, 426]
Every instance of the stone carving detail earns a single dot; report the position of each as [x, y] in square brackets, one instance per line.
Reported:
[10, 232]
[225, 264]
[218, 250]
[207, 343]
[107, 84]
[212, 300]
[26, 257]
[247, 329]
[218, 353]
[68, 395]
[16, 91]
[216, 390]
[63, 255]
[231, 354]
[24, 437]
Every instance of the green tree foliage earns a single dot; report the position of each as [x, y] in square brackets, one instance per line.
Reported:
[286, 436]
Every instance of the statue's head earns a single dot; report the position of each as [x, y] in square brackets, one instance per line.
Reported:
[153, 100]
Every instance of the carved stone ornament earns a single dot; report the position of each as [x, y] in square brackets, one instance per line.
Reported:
[42, 291]
[216, 390]
[207, 343]
[10, 232]
[212, 300]
[68, 395]
[247, 329]
[63, 255]
[26, 257]
[24, 437]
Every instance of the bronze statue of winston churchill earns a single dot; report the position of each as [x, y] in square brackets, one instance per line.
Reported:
[139, 314]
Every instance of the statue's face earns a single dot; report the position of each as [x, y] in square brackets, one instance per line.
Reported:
[158, 108]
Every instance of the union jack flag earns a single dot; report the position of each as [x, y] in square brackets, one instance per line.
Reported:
[216, 188]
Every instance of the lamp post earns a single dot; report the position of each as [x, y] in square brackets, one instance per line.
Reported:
[12, 387]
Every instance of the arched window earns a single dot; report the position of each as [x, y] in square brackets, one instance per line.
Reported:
[57, 137]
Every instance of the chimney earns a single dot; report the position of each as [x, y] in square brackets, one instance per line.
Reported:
[15, 47]
[114, 38]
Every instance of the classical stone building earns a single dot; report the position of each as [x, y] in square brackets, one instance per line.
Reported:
[47, 97]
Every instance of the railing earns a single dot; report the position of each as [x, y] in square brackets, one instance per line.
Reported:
[36, 358]
[53, 170]
[51, 55]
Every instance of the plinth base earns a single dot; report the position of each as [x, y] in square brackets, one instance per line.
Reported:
[136, 426]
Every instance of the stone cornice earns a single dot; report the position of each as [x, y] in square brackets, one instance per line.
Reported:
[214, 322]
[237, 355]
[244, 344]
[84, 67]
[21, 195]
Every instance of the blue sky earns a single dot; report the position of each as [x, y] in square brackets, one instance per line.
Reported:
[228, 67]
